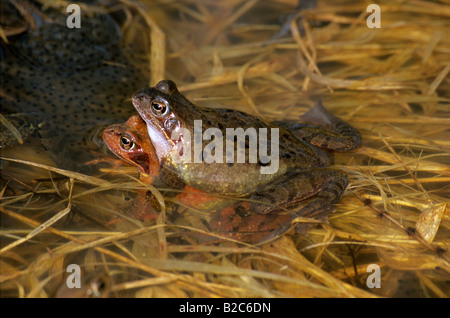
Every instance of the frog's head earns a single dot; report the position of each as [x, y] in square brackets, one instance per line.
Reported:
[165, 110]
[130, 142]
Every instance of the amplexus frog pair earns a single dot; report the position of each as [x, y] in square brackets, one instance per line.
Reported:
[283, 175]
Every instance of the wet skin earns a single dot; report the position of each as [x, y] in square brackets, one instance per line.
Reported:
[302, 172]
[130, 142]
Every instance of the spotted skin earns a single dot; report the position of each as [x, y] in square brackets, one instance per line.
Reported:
[130, 142]
[302, 176]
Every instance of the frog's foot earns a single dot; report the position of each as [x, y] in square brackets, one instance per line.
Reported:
[143, 207]
[294, 187]
[318, 211]
[318, 208]
[324, 130]
[297, 14]
[324, 186]
[239, 223]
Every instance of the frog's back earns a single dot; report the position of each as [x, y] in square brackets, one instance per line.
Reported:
[229, 174]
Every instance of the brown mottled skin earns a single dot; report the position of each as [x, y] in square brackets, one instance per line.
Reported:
[130, 142]
[302, 172]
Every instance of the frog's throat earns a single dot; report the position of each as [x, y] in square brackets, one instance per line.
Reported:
[162, 143]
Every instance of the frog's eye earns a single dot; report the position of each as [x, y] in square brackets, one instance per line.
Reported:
[160, 107]
[126, 142]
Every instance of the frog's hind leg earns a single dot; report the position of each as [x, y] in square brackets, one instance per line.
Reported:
[296, 186]
[324, 186]
[323, 203]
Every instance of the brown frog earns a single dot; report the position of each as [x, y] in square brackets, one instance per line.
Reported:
[130, 141]
[273, 183]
